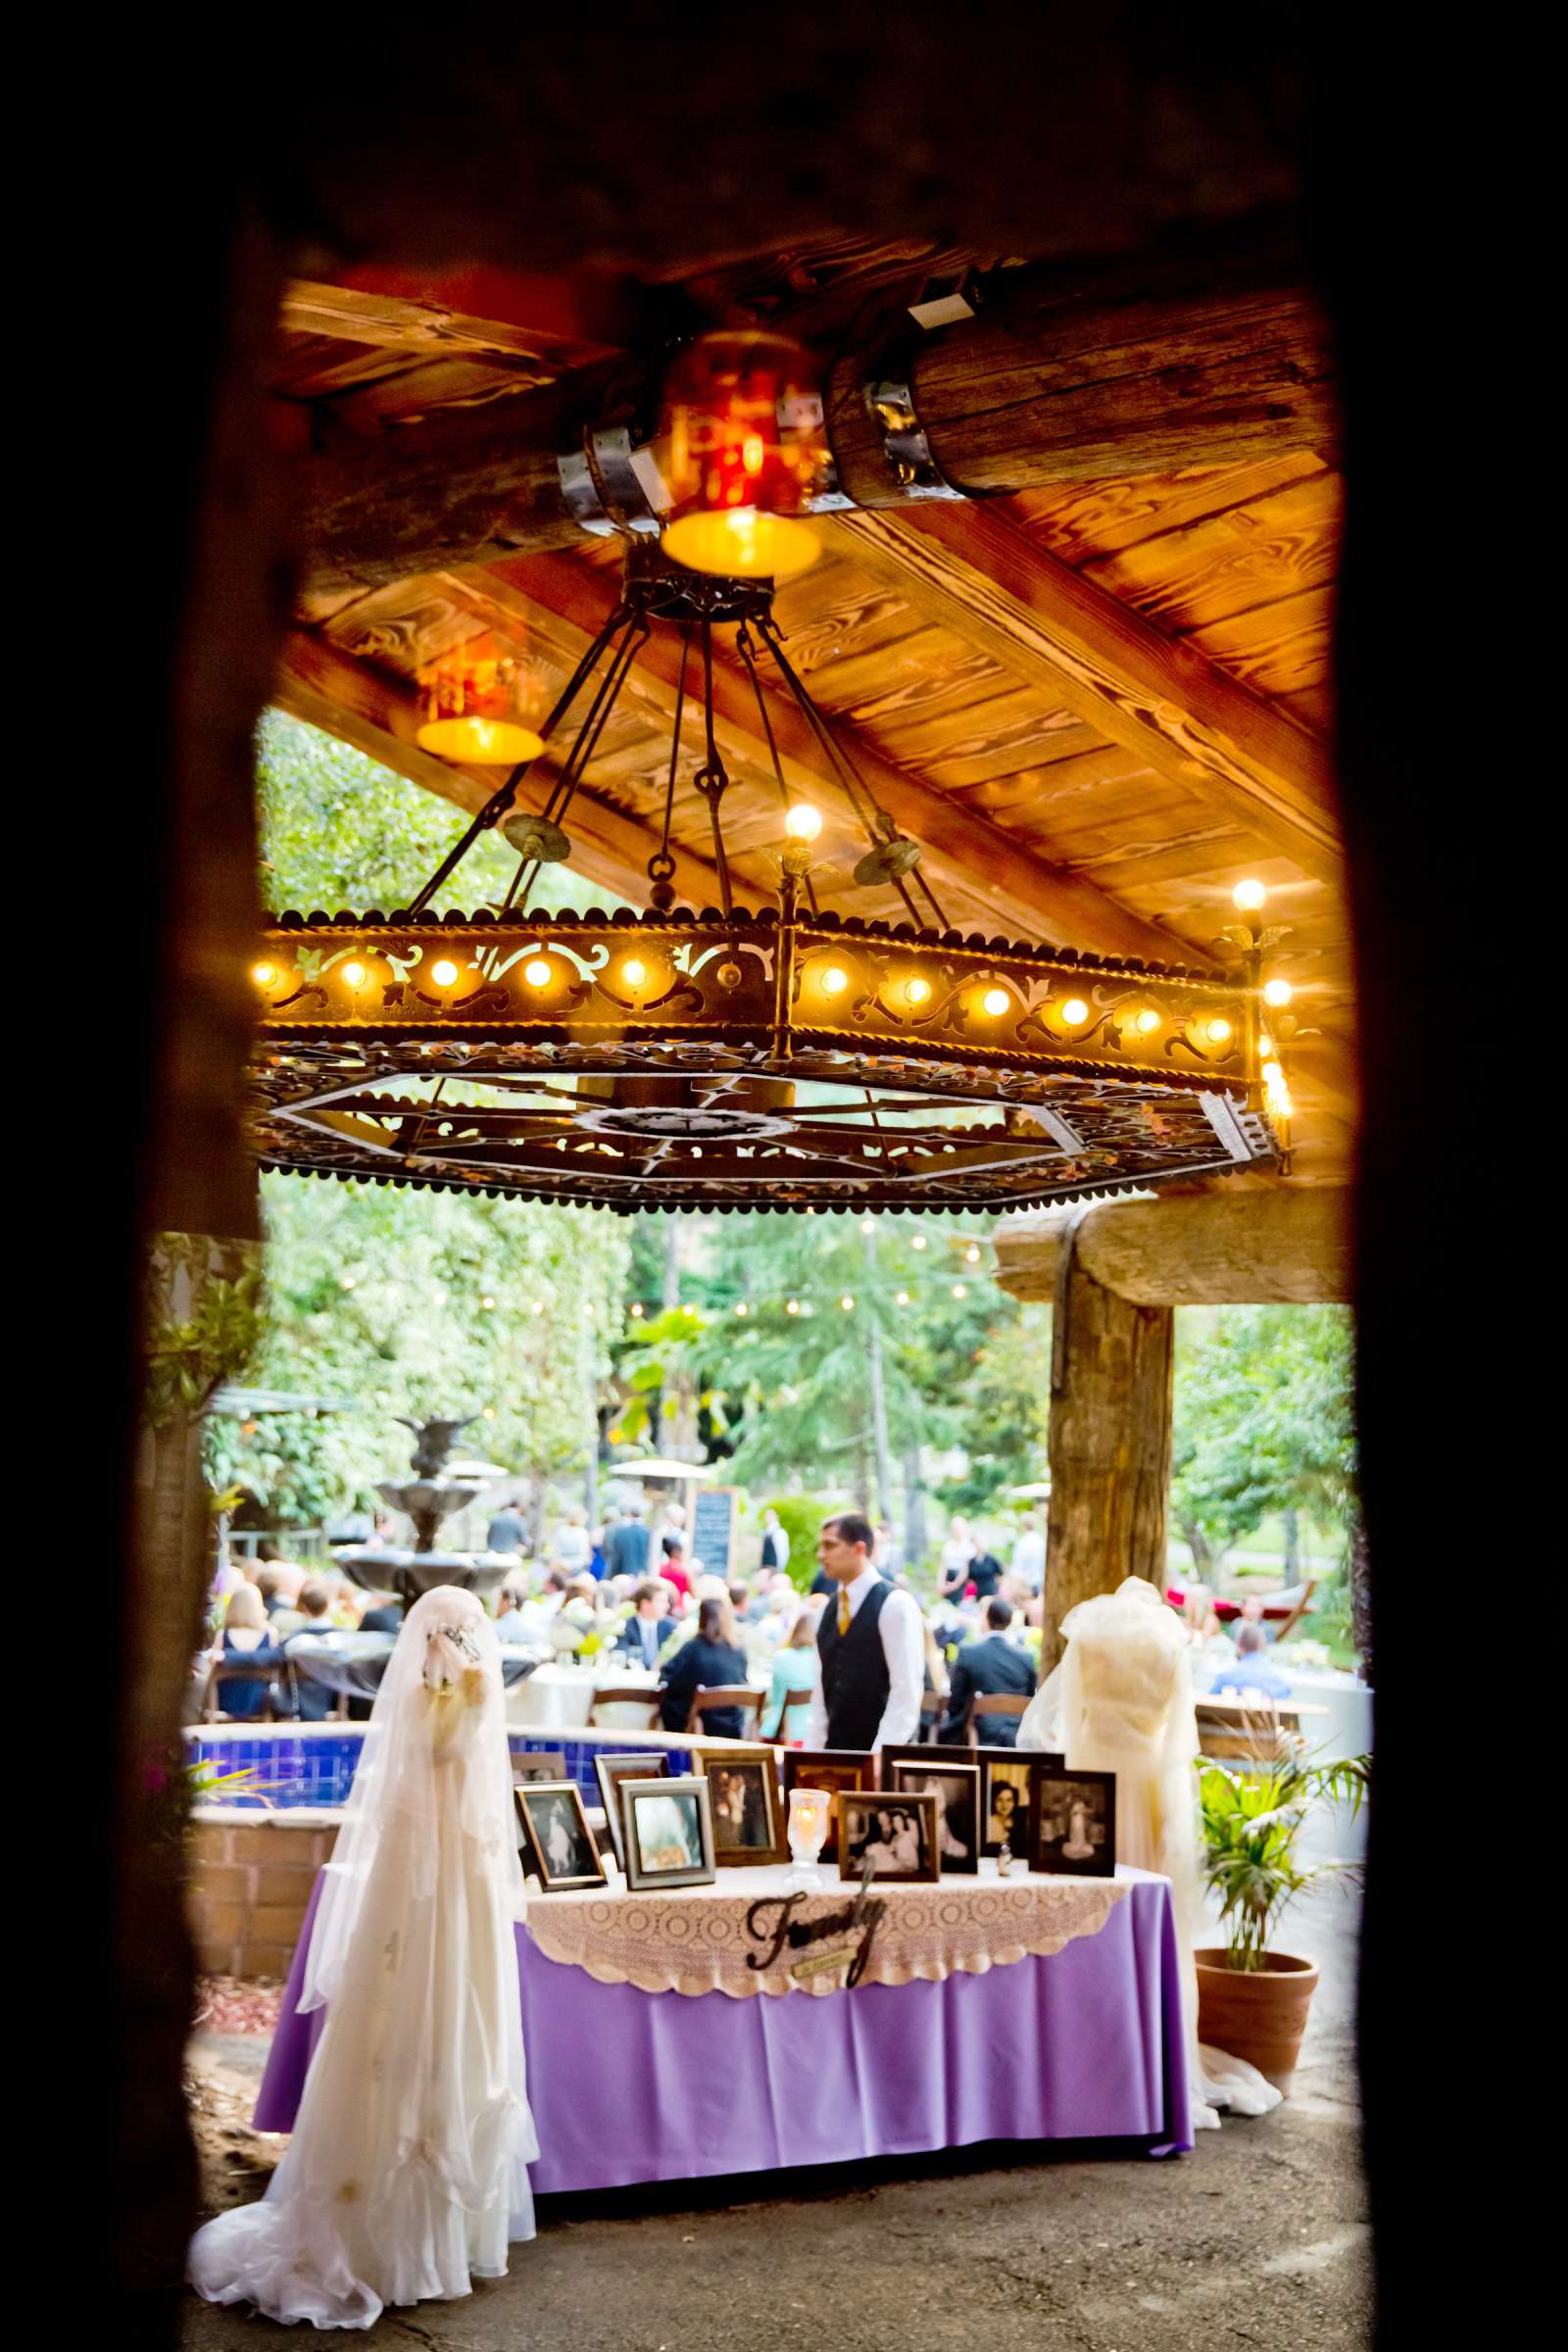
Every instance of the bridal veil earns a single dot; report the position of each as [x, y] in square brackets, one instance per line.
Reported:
[406, 2175]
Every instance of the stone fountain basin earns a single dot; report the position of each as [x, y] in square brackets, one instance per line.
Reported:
[385, 1568]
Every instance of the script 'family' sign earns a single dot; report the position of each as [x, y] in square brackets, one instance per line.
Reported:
[773, 1922]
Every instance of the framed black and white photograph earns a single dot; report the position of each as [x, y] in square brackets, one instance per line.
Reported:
[668, 1828]
[1075, 1825]
[744, 1799]
[957, 1789]
[1007, 1801]
[549, 1764]
[833, 1769]
[896, 1833]
[557, 1844]
[610, 1771]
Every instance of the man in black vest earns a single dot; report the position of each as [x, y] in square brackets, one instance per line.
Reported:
[990, 1667]
[870, 1647]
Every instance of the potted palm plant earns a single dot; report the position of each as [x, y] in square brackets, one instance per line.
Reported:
[1253, 2001]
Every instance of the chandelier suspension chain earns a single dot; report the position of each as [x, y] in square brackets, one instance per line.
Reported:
[743, 646]
[661, 865]
[713, 780]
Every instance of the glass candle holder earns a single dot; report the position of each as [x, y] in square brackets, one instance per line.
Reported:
[810, 1814]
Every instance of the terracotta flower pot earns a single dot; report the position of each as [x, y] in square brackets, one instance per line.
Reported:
[1258, 2015]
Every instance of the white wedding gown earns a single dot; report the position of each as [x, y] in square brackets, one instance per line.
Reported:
[1121, 1701]
[406, 2175]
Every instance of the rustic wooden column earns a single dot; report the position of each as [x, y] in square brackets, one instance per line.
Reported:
[1110, 1445]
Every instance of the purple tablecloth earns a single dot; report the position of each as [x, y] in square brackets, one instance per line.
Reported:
[628, 2086]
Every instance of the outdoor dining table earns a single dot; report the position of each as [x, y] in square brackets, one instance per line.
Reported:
[559, 1697]
[664, 2043]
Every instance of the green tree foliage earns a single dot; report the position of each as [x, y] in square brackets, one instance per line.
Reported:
[339, 830]
[1262, 1421]
[420, 1303]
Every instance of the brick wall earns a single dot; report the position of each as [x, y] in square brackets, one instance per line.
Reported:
[251, 1876]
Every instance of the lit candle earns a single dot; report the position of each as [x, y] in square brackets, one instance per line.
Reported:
[809, 1809]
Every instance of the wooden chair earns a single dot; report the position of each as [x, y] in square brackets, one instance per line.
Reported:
[933, 1710]
[722, 1696]
[616, 1693]
[1239, 1732]
[993, 1703]
[229, 1671]
[797, 1703]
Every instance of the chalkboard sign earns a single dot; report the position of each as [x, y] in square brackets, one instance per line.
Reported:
[714, 1530]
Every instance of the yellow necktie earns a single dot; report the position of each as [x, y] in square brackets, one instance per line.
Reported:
[844, 1610]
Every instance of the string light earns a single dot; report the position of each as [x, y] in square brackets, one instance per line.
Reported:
[792, 1306]
[636, 1311]
[740, 1307]
[900, 1298]
[846, 1303]
[960, 1289]
[917, 1241]
[1249, 896]
[869, 1224]
[972, 1253]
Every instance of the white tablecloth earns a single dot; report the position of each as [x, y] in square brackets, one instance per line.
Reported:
[559, 1698]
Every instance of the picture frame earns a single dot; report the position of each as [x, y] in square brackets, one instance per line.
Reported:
[1075, 1824]
[548, 1764]
[1007, 1768]
[668, 1828]
[609, 1771]
[830, 1768]
[557, 1845]
[746, 1812]
[901, 1832]
[958, 1796]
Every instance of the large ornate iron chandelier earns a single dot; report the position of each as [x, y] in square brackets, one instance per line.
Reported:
[781, 1057]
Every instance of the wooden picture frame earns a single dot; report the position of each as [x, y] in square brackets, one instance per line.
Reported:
[871, 1818]
[959, 1824]
[653, 1842]
[755, 1836]
[557, 1844]
[546, 1764]
[1075, 1824]
[609, 1771]
[832, 1769]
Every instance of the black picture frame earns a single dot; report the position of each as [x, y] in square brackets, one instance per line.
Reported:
[1015, 1769]
[1075, 1824]
[958, 1826]
[830, 1768]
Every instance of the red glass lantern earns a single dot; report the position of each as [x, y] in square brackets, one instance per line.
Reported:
[744, 451]
[473, 707]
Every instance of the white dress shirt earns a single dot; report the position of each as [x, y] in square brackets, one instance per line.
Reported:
[904, 1647]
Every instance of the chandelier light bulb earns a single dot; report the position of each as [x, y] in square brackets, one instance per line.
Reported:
[1217, 1031]
[1148, 1021]
[996, 1001]
[537, 973]
[444, 973]
[1277, 992]
[803, 823]
[633, 972]
[1247, 897]
[917, 991]
[835, 980]
[354, 975]
[1075, 1012]
[263, 974]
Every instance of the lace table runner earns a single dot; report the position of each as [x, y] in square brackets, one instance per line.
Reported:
[748, 1935]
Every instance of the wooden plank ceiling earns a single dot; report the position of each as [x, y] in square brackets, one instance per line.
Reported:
[1096, 706]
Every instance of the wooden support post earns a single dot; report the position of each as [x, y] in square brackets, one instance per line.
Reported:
[1110, 1446]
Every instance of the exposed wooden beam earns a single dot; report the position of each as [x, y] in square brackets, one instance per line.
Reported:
[976, 573]
[1019, 886]
[1280, 1244]
[361, 705]
[1118, 369]
[400, 321]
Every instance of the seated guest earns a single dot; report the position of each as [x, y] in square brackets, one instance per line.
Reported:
[270, 1583]
[648, 1629]
[284, 1576]
[710, 1659]
[793, 1668]
[673, 1568]
[506, 1531]
[989, 1667]
[312, 1701]
[1253, 1670]
[245, 1636]
[626, 1546]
